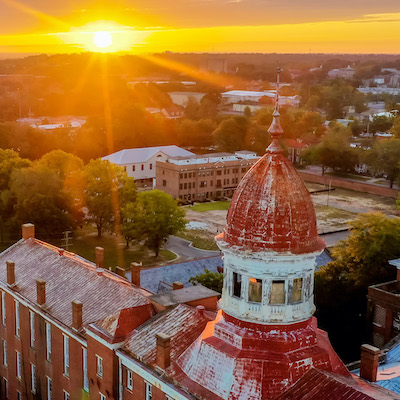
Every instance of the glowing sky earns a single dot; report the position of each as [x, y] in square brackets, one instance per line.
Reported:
[355, 26]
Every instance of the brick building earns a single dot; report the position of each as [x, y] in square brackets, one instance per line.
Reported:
[206, 176]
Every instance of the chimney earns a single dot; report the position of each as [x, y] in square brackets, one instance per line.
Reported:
[135, 273]
[76, 315]
[10, 273]
[99, 260]
[163, 350]
[177, 285]
[369, 362]
[28, 231]
[200, 309]
[41, 291]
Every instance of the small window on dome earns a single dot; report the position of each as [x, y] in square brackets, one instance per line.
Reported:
[278, 292]
[255, 290]
[296, 290]
[237, 285]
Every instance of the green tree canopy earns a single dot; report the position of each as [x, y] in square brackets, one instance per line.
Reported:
[162, 217]
[211, 280]
[103, 182]
[384, 158]
[231, 133]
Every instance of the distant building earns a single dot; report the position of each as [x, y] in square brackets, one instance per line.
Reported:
[53, 123]
[237, 96]
[206, 176]
[215, 64]
[140, 163]
[182, 98]
[344, 73]
[379, 90]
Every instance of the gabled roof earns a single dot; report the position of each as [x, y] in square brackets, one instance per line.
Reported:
[183, 324]
[142, 154]
[317, 385]
[68, 277]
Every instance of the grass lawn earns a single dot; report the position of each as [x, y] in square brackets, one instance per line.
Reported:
[201, 239]
[214, 205]
[115, 252]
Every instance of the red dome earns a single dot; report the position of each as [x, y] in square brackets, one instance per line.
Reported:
[272, 209]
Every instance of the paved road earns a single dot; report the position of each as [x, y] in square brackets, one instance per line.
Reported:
[185, 251]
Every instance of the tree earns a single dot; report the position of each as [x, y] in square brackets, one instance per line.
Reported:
[381, 123]
[230, 134]
[342, 285]
[384, 158]
[40, 198]
[162, 217]
[132, 222]
[103, 181]
[211, 280]
[333, 151]
[247, 112]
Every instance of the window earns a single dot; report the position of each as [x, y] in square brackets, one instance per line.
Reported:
[99, 363]
[297, 289]
[211, 183]
[3, 308]
[84, 370]
[142, 167]
[124, 168]
[5, 362]
[129, 379]
[32, 328]
[237, 285]
[49, 388]
[278, 292]
[5, 388]
[151, 166]
[48, 342]
[19, 365]
[219, 183]
[185, 186]
[102, 396]
[185, 175]
[66, 355]
[255, 290]
[164, 182]
[19, 395]
[194, 185]
[149, 391]
[190, 174]
[244, 169]
[190, 185]
[17, 320]
[219, 172]
[133, 168]
[33, 378]
[181, 175]
[180, 186]
[66, 395]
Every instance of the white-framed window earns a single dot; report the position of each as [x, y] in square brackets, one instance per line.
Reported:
[149, 391]
[49, 388]
[19, 365]
[19, 395]
[66, 355]
[5, 361]
[48, 341]
[3, 308]
[17, 320]
[33, 378]
[99, 363]
[5, 388]
[84, 370]
[66, 395]
[129, 379]
[32, 328]
[102, 396]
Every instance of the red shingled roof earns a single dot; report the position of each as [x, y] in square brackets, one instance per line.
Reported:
[322, 385]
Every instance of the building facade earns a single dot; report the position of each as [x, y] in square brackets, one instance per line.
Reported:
[140, 163]
[201, 177]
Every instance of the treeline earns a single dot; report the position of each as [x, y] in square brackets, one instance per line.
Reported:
[59, 193]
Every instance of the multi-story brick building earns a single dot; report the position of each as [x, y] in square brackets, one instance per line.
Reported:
[206, 176]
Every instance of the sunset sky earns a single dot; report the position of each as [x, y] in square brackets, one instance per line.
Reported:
[50, 26]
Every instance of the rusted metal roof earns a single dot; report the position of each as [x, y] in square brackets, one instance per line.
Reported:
[317, 385]
[183, 324]
[68, 277]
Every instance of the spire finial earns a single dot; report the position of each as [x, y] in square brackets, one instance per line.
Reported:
[275, 129]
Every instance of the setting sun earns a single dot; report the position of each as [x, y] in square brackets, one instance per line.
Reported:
[102, 39]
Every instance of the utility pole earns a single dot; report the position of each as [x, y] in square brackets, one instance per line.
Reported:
[66, 241]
